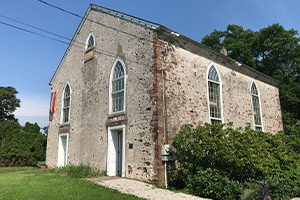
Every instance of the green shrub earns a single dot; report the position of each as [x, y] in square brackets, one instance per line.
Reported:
[248, 194]
[213, 184]
[20, 161]
[77, 171]
[21, 146]
[219, 162]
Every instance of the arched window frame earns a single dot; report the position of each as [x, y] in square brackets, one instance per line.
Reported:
[64, 107]
[258, 127]
[111, 111]
[87, 41]
[214, 120]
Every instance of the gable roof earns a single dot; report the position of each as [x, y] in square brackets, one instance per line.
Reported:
[173, 37]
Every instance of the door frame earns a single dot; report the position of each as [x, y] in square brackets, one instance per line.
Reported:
[61, 150]
[112, 130]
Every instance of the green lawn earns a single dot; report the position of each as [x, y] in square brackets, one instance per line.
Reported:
[16, 169]
[38, 185]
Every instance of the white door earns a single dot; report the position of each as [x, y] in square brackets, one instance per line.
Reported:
[62, 150]
[119, 154]
[115, 154]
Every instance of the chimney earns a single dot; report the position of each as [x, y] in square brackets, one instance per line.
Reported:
[223, 51]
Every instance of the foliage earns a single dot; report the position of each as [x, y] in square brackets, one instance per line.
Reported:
[8, 103]
[26, 185]
[248, 194]
[77, 171]
[271, 50]
[212, 184]
[294, 129]
[220, 162]
[21, 147]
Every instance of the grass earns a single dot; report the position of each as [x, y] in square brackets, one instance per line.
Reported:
[34, 184]
[16, 169]
[41, 164]
[78, 171]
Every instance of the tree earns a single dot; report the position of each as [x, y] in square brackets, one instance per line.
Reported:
[8, 103]
[271, 50]
[21, 146]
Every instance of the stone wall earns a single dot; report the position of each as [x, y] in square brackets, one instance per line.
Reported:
[186, 92]
[89, 81]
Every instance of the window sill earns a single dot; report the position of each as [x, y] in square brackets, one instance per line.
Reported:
[122, 113]
[65, 125]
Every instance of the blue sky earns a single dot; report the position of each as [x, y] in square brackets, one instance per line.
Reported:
[27, 61]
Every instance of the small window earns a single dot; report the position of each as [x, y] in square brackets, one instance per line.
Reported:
[66, 104]
[214, 98]
[90, 48]
[90, 41]
[256, 107]
[118, 87]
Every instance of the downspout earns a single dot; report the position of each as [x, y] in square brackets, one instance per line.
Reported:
[163, 106]
[164, 124]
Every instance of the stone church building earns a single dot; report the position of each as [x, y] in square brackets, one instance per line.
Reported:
[125, 86]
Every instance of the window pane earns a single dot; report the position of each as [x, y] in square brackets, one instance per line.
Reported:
[254, 89]
[117, 101]
[65, 114]
[256, 110]
[118, 71]
[214, 100]
[256, 107]
[257, 128]
[117, 87]
[118, 84]
[214, 121]
[66, 101]
[67, 91]
[66, 104]
[212, 74]
[91, 41]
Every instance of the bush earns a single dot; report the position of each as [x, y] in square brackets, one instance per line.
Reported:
[21, 147]
[77, 171]
[220, 162]
[20, 161]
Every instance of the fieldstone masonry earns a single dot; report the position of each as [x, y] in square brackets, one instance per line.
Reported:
[166, 87]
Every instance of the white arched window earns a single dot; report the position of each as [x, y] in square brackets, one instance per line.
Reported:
[256, 107]
[90, 41]
[117, 87]
[66, 102]
[214, 95]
